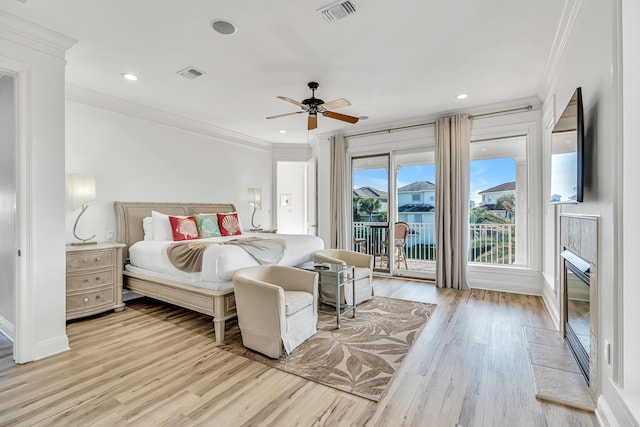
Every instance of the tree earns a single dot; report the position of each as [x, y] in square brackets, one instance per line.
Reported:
[507, 203]
[481, 215]
[357, 201]
[382, 217]
[370, 205]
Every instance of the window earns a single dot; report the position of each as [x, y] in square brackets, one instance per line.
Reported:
[417, 218]
[498, 224]
[415, 197]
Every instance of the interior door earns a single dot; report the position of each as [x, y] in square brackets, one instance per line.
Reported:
[311, 179]
[8, 196]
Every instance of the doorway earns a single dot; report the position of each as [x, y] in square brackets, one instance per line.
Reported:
[415, 181]
[295, 197]
[8, 197]
[405, 199]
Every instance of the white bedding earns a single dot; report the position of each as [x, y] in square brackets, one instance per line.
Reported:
[221, 261]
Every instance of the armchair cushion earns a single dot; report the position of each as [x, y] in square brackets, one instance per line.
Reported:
[295, 301]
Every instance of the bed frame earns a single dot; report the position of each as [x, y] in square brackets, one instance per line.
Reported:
[221, 305]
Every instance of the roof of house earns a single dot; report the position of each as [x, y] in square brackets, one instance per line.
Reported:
[507, 186]
[418, 186]
[370, 192]
[416, 207]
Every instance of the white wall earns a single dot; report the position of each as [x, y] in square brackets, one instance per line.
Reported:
[589, 60]
[291, 180]
[7, 205]
[631, 200]
[36, 55]
[134, 159]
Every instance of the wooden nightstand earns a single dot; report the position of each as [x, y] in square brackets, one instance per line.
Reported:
[94, 279]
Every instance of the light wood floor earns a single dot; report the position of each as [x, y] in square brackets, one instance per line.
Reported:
[154, 364]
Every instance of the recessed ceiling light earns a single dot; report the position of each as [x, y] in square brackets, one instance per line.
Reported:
[130, 76]
[461, 96]
[283, 131]
[223, 26]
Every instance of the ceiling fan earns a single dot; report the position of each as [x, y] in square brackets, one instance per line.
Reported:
[315, 106]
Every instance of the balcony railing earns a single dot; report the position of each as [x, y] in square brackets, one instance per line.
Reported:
[488, 243]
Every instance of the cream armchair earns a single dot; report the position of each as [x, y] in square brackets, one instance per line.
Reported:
[363, 264]
[277, 307]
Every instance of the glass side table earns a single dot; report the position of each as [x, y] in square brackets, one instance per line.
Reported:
[334, 277]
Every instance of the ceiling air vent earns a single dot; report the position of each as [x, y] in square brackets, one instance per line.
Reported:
[190, 73]
[337, 10]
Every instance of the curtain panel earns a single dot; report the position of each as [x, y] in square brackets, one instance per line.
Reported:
[340, 194]
[453, 137]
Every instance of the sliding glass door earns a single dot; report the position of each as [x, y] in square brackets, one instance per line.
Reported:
[415, 201]
[396, 226]
[370, 208]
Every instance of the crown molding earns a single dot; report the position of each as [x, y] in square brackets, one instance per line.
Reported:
[34, 36]
[122, 106]
[563, 32]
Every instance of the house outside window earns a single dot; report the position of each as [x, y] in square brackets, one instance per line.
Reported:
[415, 197]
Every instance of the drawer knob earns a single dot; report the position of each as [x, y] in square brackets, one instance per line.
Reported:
[97, 258]
[86, 300]
[97, 277]
[97, 296]
[85, 280]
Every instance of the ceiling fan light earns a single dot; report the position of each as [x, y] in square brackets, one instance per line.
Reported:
[130, 76]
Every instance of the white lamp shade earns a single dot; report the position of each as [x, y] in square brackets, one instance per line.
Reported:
[81, 189]
[254, 195]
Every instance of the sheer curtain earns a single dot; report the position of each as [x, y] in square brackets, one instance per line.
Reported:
[453, 136]
[339, 192]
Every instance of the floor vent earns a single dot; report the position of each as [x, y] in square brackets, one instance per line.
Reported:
[338, 10]
[190, 73]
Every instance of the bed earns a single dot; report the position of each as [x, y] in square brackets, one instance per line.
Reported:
[209, 292]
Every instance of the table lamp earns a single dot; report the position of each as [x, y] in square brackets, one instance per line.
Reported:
[81, 190]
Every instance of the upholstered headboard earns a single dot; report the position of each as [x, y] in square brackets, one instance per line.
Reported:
[131, 214]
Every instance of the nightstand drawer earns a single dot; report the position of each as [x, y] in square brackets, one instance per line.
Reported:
[90, 299]
[89, 261]
[89, 280]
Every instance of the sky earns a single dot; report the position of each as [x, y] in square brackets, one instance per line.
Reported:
[484, 175]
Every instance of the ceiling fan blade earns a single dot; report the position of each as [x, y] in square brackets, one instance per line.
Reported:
[293, 101]
[339, 116]
[336, 103]
[284, 115]
[313, 122]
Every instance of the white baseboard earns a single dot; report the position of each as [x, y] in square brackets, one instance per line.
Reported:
[492, 285]
[50, 347]
[549, 298]
[505, 279]
[7, 329]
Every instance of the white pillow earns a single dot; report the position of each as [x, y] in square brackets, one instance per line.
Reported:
[147, 226]
[162, 225]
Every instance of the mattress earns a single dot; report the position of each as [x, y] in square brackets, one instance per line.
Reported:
[220, 261]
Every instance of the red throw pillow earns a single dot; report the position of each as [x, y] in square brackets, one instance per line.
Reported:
[229, 224]
[183, 228]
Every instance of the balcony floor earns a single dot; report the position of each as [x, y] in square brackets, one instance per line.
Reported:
[415, 266]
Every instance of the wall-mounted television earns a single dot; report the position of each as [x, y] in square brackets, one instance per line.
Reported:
[567, 153]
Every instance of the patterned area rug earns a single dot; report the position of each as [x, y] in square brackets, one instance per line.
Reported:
[361, 357]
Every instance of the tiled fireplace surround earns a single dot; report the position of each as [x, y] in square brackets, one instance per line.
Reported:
[579, 234]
